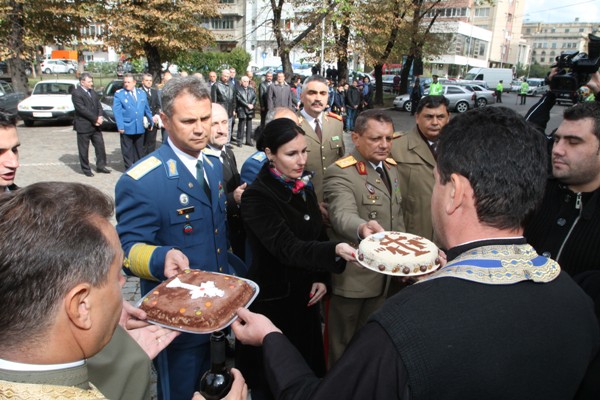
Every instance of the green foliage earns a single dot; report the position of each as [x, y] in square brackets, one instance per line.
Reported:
[538, 71]
[138, 65]
[103, 68]
[204, 62]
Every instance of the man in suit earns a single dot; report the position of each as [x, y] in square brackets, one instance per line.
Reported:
[263, 90]
[223, 93]
[182, 224]
[231, 177]
[415, 154]
[363, 192]
[245, 100]
[280, 94]
[324, 130]
[87, 121]
[154, 104]
[130, 106]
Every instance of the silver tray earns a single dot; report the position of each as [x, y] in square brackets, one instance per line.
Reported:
[213, 329]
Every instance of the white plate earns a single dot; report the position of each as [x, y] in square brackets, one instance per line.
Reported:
[42, 114]
[211, 330]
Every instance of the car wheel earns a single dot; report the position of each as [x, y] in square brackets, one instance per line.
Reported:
[408, 106]
[28, 122]
[71, 71]
[462, 106]
[47, 71]
[481, 102]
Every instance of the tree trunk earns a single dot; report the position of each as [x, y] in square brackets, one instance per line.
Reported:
[342, 64]
[16, 66]
[378, 100]
[404, 74]
[284, 54]
[154, 62]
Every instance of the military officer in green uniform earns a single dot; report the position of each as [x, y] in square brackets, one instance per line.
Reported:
[324, 130]
[363, 194]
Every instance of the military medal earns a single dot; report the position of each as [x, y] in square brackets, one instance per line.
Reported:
[370, 188]
[373, 215]
[187, 229]
[184, 199]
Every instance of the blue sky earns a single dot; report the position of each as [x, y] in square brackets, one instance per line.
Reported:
[562, 11]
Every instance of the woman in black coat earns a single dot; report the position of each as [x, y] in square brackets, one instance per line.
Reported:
[292, 258]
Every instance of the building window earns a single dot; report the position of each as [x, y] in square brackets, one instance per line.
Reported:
[543, 59]
[580, 29]
[553, 30]
[566, 30]
[554, 45]
[482, 12]
[220, 24]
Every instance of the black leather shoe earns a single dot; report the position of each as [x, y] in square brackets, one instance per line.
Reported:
[103, 170]
[89, 173]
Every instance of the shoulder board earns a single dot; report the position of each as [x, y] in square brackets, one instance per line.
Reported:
[211, 152]
[397, 135]
[346, 162]
[144, 167]
[391, 161]
[259, 156]
[334, 115]
[119, 91]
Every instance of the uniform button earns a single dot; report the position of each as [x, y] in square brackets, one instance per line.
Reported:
[216, 231]
[373, 201]
[220, 269]
[546, 254]
[187, 216]
[323, 158]
[218, 251]
[323, 147]
[561, 222]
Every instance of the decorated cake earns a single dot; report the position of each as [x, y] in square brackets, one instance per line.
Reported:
[398, 253]
[198, 301]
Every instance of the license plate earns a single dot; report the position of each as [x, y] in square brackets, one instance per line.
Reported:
[42, 114]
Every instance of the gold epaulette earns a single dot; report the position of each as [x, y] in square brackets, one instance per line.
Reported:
[144, 167]
[211, 152]
[397, 135]
[138, 260]
[334, 115]
[346, 162]
[391, 161]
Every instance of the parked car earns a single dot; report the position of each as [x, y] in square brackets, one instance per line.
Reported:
[484, 96]
[460, 98]
[49, 101]
[107, 97]
[302, 69]
[515, 86]
[9, 99]
[403, 102]
[263, 71]
[57, 67]
[537, 86]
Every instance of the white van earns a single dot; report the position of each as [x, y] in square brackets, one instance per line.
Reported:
[491, 76]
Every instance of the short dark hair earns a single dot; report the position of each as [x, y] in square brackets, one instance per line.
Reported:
[7, 120]
[587, 109]
[278, 132]
[504, 159]
[51, 241]
[176, 86]
[129, 75]
[433, 102]
[360, 126]
[84, 76]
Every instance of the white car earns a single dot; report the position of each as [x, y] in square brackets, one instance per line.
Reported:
[57, 67]
[49, 101]
[403, 102]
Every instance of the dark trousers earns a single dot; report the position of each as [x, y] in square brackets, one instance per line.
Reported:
[263, 117]
[132, 148]
[83, 146]
[523, 99]
[498, 96]
[350, 118]
[150, 140]
[244, 128]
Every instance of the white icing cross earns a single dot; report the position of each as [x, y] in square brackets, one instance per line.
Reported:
[206, 289]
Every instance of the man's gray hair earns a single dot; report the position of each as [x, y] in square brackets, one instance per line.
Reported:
[314, 78]
[178, 86]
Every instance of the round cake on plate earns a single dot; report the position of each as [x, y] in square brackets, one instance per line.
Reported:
[398, 253]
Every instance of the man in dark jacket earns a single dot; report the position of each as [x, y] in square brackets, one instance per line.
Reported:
[352, 103]
[280, 94]
[223, 93]
[88, 118]
[154, 103]
[263, 90]
[246, 100]
[526, 329]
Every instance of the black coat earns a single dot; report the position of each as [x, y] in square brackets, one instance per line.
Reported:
[224, 94]
[245, 97]
[153, 100]
[290, 252]
[231, 179]
[87, 110]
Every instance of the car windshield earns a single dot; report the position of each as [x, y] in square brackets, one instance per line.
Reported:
[112, 88]
[534, 83]
[54, 88]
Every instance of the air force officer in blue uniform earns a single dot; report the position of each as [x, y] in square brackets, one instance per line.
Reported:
[171, 215]
[130, 106]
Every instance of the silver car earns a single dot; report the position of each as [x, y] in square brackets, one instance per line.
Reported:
[537, 86]
[460, 98]
[484, 96]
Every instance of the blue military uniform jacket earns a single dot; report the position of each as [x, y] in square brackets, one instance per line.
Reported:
[252, 166]
[161, 206]
[129, 112]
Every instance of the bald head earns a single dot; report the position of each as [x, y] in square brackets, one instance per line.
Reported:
[282, 112]
[220, 126]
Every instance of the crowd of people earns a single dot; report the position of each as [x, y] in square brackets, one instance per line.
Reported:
[512, 313]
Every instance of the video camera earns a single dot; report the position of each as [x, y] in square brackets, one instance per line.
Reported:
[575, 68]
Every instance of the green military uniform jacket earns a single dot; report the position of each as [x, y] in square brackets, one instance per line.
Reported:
[323, 153]
[415, 167]
[356, 194]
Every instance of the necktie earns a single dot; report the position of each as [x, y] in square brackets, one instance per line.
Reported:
[384, 178]
[149, 92]
[134, 95]
[318, 130]
[201, 180]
